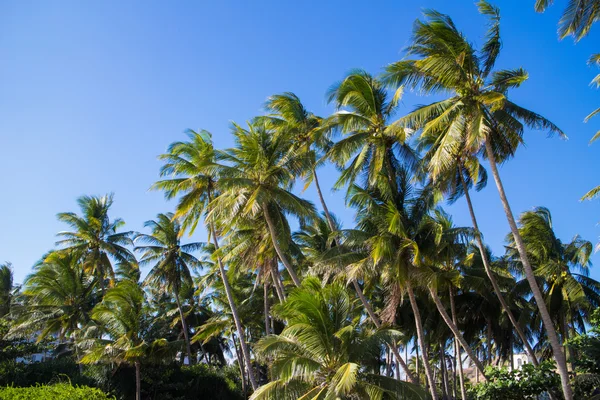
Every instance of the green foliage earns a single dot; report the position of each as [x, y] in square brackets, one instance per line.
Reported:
[60, 391]
[18, 347]
[525, 383]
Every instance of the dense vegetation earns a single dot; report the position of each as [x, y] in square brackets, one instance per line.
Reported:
[284, 301]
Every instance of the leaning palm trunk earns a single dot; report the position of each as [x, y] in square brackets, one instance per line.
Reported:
[457, 358]
[266, 304]
[456, 332]
[234, 312]
[413, 379]
[184, 327]
[278, 250]
[557, 349]
[421, 338]
[488, 271]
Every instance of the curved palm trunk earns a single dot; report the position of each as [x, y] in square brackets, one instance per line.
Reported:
[457, 357]
[421, 338]
[234, 312]
[184, 327]
[454, 329]
[278, 250]
[557, 348]
[489, 273]
[138, 381]
[413, 379]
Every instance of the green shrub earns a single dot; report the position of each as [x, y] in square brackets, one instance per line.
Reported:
[526, 383]
[60, 391]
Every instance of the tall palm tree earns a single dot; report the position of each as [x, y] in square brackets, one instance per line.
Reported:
[96, 238]
[171, 262]
[390, 226]
[571, 296]
[478, 119]
[329, 256]
[464, 174]
[577, 19]
[257, 180]
[191, 169]
[118, 336]
[373, 144]
[59, 297]
[307, 132]
[6, 288]
[324, 353]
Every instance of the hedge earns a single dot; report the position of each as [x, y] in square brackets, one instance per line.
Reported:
[59, 391]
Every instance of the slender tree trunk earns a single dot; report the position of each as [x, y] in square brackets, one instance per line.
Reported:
[241, 364]
[557, 348]
[278, 250]
[138, 381]
[277, 282]
[444, 371]
[492, 278]
[461, 378]
[266, 304]
[421, 338]
[184, 327]
[388, 362]
[359, 292]
[322, 199]
[454, 329]
[234, 312]
[488, 338]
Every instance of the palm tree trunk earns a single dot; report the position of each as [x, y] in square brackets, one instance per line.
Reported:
[234, 312]
[277, 282]
[359, 291]
[266, 304]
[454, 329]
[138, 381]
[444, 371]
[457, 357]
[240, 363]
[492, 278]
[184, 327]
[278, 250]
[421, 338]
[488, 339]
[322, 199]
[557, 349]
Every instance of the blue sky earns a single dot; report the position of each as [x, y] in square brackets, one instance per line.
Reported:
[92, 92]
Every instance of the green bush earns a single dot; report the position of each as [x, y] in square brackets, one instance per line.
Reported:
[163, 382]
[526, 383]
[60, 391]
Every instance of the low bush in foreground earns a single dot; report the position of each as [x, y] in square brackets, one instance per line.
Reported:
[59, 391]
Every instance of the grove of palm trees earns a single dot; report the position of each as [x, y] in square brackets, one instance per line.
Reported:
[281, 298]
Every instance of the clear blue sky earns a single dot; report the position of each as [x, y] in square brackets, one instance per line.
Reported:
[92, 92]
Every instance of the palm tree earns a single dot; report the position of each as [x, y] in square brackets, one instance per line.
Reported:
[478, 119]
[571, 296]
[59, 297]
[373, 144]
[390, 228]
[6, 288]
[191, 167]
[577, 18]
[307, 133]
[95, 237]
[324, 353]
[171, 262]
[118, 336]
[257, 180]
